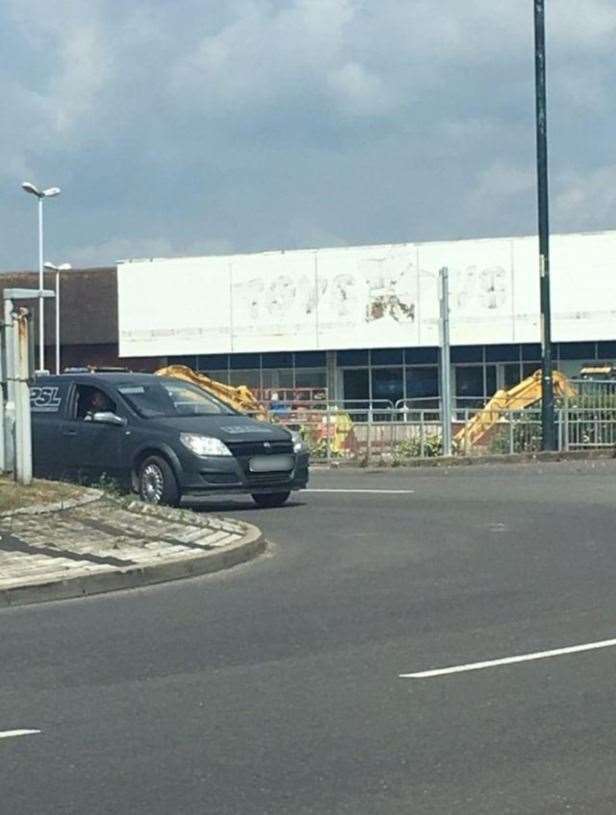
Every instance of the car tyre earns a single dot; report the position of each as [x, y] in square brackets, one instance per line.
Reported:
[270, 499]
[157, 482]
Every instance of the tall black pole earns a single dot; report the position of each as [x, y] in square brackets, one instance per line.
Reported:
[547, 389]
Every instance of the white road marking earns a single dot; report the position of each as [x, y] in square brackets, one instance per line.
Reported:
[477, 666]
[9, 734]
[378, 492]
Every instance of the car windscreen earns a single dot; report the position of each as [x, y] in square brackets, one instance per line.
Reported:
[168, 398]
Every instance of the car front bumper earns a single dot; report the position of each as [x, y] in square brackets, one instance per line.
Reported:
[212, 474]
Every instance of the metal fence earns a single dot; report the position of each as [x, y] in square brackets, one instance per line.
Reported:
[379, 431]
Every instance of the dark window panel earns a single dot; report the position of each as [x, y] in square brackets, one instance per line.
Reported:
[576, 350]
[387, 384]
[419, 356]
[387, 356]
[467, 353]
[502, 353]
[277, 360]
[354, 357]
[244, 361]
[606, 350]
[513, 374]
[191, 361]
[469, 386]
[213, 362]
[421, 382]
[531, 351]
[469, 380]
[490, 381]
[310, 359]
[356, 389]
[529, 368]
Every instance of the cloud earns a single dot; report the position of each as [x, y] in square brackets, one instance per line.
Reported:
[192, 127]
[585, 199]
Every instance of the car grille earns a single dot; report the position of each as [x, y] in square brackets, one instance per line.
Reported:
[247, 449]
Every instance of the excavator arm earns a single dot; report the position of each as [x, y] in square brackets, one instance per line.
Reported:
[521, 396]
[240, 397]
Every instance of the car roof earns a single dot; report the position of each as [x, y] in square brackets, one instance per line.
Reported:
[93, 378]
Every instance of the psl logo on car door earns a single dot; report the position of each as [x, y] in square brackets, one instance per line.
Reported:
[45, 399]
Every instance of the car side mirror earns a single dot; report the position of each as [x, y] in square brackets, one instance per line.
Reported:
[108, 417]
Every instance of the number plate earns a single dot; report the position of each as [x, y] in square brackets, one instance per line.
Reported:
[270, 464]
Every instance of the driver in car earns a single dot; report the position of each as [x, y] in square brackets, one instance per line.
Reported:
[98, 403]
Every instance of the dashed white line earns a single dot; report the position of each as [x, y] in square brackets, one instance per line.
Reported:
[477, 666]
[376, 492]
[9, 734]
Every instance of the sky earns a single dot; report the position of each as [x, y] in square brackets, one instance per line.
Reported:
[192, 127]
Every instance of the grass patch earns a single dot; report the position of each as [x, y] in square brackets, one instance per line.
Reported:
[15, 496]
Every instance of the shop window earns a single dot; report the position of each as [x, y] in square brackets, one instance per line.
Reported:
[502, 353]
[576, 350]
[356, 389]
[310, 379]
[244, 361]
[490, 381]
[352, 358]
[387, 384]
[529, 368]
[469, 386]
[273, 379]
[386, 356]
[310, 359]
[277, 360]
[212, 362]
[250, 378]
[421, 356]
[422, 383]
[466, 353]
[531, 351]
[219, 376]
[606, 350]
[512, 374]
[189, 361]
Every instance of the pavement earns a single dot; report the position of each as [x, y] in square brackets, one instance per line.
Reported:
[96, 544]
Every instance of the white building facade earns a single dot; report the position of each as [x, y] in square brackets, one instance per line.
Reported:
[363, 321]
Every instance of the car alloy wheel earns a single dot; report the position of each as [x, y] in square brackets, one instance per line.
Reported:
[152, 484]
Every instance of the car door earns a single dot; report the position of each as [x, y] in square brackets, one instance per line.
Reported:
[48, 404]
[94, 448]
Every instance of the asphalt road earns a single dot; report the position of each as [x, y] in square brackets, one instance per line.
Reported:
[275, 687]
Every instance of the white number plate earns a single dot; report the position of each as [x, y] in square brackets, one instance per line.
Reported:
[270, 464]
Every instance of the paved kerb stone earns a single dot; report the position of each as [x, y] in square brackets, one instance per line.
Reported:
[95, 543]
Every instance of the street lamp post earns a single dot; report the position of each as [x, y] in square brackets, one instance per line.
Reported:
[63, 267]
[41, 194]
[547, 388]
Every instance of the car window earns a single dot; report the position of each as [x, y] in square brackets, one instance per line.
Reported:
[172, 398]
[91, 400]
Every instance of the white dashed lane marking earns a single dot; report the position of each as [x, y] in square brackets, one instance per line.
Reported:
[492, 663]
[375, 492]
[9, 734]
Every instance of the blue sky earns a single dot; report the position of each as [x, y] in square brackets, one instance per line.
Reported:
[180, 127]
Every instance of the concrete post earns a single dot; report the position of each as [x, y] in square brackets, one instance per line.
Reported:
[16, 367]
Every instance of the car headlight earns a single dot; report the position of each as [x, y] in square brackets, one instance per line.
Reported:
[298, 442]
[204, 445]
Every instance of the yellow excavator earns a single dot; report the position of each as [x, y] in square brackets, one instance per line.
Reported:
[521, 396]
[240, 397]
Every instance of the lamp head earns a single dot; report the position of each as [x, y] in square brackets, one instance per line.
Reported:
[28, 187]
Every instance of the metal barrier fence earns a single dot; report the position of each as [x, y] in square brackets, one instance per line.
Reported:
[378, 431]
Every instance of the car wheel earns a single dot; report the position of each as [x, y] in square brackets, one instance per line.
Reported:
[157, 484]
[270, 499]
